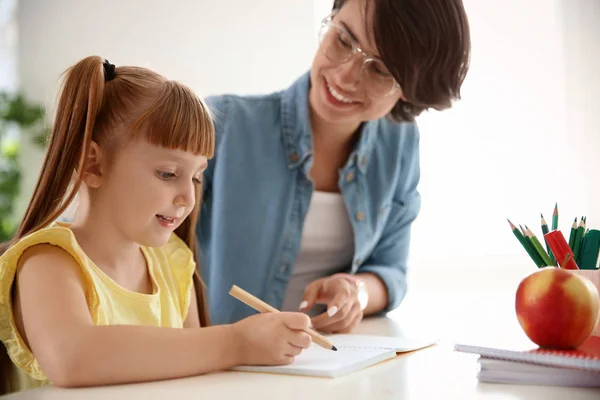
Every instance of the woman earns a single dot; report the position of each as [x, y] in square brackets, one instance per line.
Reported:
[311, 195]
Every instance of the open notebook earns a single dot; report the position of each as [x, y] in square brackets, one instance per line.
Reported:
[355, 352]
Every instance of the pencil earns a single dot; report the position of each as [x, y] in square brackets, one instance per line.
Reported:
[263, 307]
[544, 231]
[532, 248]
[525, 245]
[572, 234]
[538, 247]
[577, 242]
[555, 217]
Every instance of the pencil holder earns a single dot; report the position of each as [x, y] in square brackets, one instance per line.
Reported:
[594, 276]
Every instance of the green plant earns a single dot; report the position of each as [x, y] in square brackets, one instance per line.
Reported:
[18, 117]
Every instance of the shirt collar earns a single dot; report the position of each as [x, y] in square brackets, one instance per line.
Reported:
[297, 132]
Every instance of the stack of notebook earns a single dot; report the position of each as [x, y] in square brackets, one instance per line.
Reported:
[529, 365]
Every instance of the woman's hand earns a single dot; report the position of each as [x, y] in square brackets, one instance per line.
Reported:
[339, 292]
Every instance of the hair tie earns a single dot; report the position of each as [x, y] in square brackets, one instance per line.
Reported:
[109, 70]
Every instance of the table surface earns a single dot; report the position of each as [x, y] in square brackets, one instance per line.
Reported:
[434, 372]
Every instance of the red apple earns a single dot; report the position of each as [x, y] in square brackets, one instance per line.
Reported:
[556, 308]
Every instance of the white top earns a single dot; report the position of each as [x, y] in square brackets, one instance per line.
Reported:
[327, 245]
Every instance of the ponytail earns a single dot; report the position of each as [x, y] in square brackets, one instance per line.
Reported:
[97, 99]
[78, 107]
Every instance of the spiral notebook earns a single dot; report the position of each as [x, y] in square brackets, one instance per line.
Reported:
[355, 352]
[585, 357]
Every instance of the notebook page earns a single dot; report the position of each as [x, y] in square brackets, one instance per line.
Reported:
[316, 361]
[374, 342]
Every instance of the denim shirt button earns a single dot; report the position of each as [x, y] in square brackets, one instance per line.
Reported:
[357, 261]
[363, 161]
[360, 215]
[349, 176]
[284, 268]
[294, 157]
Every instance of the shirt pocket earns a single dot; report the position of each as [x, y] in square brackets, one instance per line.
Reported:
[389, 213]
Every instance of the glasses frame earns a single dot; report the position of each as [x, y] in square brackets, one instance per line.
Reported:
[328, 22]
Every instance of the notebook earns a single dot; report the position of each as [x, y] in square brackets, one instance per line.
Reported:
[502, 371]
[355, 352]
[586, 357]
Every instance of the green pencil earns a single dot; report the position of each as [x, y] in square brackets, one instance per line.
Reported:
[555, 217]
[545, 230]
[538, 247]
[524, 243]
[577, 242]
[573, 234]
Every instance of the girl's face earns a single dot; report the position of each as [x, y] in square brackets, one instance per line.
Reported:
[357, 89]
[148, 191]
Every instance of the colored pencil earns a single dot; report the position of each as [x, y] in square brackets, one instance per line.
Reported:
[531, 247]
[573, 234]
[538, 247]
[577, 243]
[525, 244]
[555, 217]
[544, 231]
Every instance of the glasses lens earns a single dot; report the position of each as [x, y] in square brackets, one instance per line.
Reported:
[336, 44]
[377, 78]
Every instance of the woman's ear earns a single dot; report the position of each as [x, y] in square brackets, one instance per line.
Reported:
[92, 167]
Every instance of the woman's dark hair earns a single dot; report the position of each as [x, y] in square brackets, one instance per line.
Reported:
[426, 46]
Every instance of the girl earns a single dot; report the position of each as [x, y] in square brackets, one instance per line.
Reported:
[103, 300]
[323, 208]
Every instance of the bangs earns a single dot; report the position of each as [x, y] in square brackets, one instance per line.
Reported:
[178, 119]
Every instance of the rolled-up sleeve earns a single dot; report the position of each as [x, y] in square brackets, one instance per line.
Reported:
[390, 256]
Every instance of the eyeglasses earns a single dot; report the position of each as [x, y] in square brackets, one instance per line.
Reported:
[336, 43]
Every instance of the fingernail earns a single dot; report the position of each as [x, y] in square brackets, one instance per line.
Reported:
[331, 312]
[303, 304]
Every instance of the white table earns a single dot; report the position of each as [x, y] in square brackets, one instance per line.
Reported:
[433, 373]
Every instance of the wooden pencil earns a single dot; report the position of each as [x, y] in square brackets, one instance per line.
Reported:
[263, 307]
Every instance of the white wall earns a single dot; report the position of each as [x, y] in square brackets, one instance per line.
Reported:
[520, 140]
[213, 46]
[582, 71]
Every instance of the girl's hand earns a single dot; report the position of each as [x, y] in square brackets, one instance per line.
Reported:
[340, 294]
[271, 338]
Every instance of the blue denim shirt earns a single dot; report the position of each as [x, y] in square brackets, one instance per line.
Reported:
[257, 190]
